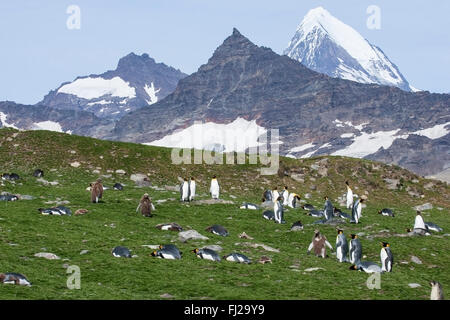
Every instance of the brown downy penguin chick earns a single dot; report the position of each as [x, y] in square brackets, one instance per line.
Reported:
[96, 191]
[436, 291]
[145, 206]
[318, 243]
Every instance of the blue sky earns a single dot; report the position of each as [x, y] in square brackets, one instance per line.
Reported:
[38, 51]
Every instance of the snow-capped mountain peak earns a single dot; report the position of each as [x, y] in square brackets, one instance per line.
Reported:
[327, 45]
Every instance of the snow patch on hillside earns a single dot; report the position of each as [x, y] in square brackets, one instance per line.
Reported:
[235, 136]
[90, 88]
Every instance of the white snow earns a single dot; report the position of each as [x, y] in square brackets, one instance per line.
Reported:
[301, 148]
[5, 124]
[318, 24]
[235, 136]
[99, 102]
[90, 88]
[151, 91]
[47, 125]
[368, 143]
[347, 135]
[436, 132]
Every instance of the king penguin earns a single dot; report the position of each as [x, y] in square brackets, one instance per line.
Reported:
[341, 247]
[278, 210]
[366, 266]
[237, 257]
[249, 206]
[218, 230]
[386, 212]
[292, 200]
[356, 210]
[168, 251]
[267, 196]
[275, 194]
[387, 259]
[214, 188]
[207, 254]
[184, 190]
[121, 252]
[285, 195]
[14, 278]
[192, 187]
[269, 215]
[349, 196]
[355, 249]
[328, 210]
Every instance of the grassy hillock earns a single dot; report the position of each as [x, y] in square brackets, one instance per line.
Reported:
[24, 232]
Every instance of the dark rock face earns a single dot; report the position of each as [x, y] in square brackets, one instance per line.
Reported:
[77, 122]
[254, 83]
[141, 73]
[417, 153]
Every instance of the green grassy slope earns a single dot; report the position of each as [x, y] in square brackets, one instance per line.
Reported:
[24, 232]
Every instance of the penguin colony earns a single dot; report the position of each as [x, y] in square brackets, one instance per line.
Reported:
[346, 251]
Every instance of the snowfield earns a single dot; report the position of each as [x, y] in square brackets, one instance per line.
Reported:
[90, 88]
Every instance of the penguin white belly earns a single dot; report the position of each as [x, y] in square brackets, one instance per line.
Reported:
[166, 227]
[207, 256]
[167, 256]
[419, 223]
[339, 255]
[383, 256]
[192, 191]
[349, 198]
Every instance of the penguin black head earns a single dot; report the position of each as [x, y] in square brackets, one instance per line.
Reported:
[353, 267]
[354, 236]
[418, 213]
[379, 212]
[154, 254]
[408, 230]
[346, 182]
[195, 250]
[214, 177]
[339, 231]
[361, 201]
[161, 246]
[276, 188]
[325, 198]
[286, 187]
[185, 179]
[192, 178]
[280, 198]
[385, 244]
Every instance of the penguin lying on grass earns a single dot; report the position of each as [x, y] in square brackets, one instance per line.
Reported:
[269, 215]
[386, 212]
[315, 213]
[121, 252]
[168, 251]
[38, 173]
[10, 176]
[338, 213]
[249, 206]
[56, 211]
[308, 207]
[218, 230]
[14, 278]
[169, 226]
[8, 197]
[118, 186]
[423, 228]
[366, 266]
[237, 257]
[207, 254]
[297, 226]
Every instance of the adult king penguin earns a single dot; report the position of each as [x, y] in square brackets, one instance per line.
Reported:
[355, 249]
[349, 196]
[192, 189]
[278, 210]
[328, 210]
[184, 190]
[356, 210]
[214, 188]
[387, 259]
[285, 195]
[341, 247]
